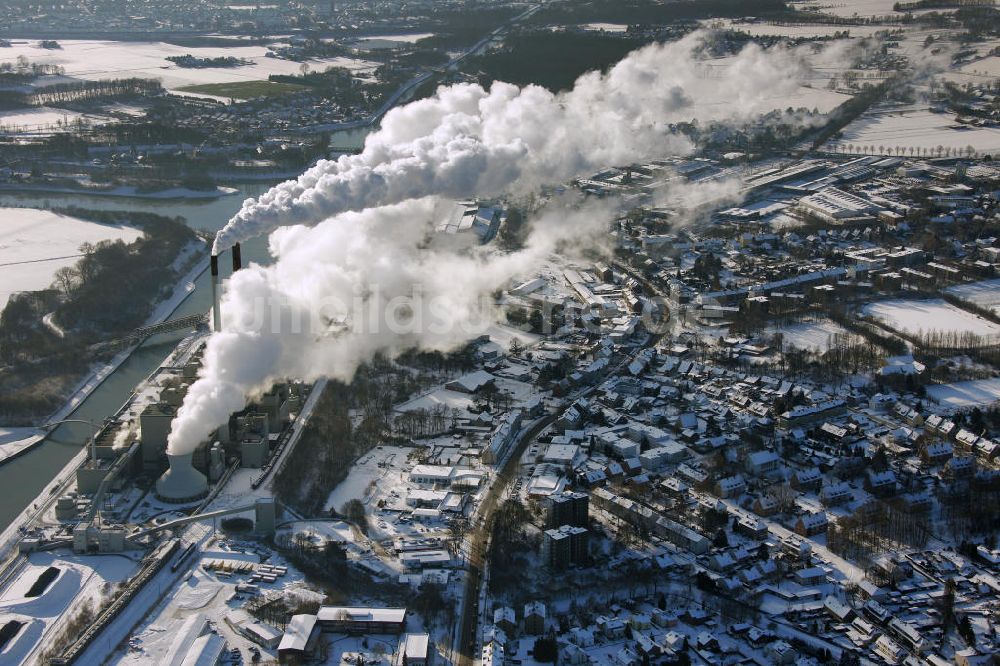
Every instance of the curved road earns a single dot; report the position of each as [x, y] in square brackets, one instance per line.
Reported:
[478, 539]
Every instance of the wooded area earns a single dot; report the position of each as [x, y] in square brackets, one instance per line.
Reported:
[554, 60]
[111, 290]
[652, 12]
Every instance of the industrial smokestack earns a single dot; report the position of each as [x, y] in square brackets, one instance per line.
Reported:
[237, 259]
[216, 312]
[182, 482]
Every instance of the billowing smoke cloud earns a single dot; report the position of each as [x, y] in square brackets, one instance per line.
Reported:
[467, 141]
[369, 278]
[379, 280]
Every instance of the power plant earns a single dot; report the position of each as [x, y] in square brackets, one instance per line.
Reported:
[181, 482]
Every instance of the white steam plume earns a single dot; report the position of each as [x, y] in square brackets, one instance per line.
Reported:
[355, 285]
[324, 306]
[466, 141]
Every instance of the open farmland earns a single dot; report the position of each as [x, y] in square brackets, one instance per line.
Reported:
[796, 30]
[983, 71]
[916, 128]
[103, 60]
[813, 95]
[42, 118]
[244, 89]
[34, 244]
[850, 8]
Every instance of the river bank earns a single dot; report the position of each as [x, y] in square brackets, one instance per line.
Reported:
[123, 191]
[30, 475]
[195, 255]
[16, 529]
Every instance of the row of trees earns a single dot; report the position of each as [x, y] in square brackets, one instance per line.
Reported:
[940, 4]
[954, 340]
[65, 93]
[900, 151]
[323, 456]
[423, 422]
[972, 508]
[646, 12]
[553, 60]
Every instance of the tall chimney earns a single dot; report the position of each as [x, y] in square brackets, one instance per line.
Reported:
[237, 259]
[216, 312]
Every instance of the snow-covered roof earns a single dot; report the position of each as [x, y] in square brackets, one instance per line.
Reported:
[297, 632]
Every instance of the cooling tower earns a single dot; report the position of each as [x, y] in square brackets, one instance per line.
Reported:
[182, 482]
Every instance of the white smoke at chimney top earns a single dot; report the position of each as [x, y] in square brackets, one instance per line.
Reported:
[335, 293]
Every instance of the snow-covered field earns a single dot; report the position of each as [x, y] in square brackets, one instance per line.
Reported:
[813, 335]
[978, 72]
[934, 315]
[371, 467]
[34, 244]
[43, 118]
[985, 294]
[127, 191]
[962, 395]
[100, 60]
[501, 336]
[918, 128]
[797, 30]
[319, 533]
[399, 39]
[849, 8]
[606, 27]
[438, 396]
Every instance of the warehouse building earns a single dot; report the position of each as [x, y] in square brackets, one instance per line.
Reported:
[355, 620]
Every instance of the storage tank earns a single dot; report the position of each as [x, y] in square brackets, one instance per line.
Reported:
[181, 482]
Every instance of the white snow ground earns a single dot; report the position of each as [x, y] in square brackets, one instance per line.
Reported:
[34, 244]
[849, 8]
[15, 440]
[81, 580]
[985, 294]
[94, 60]
[43, 118]
[915, 127]
[963, 395]
[914, 317]
[812, 336]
